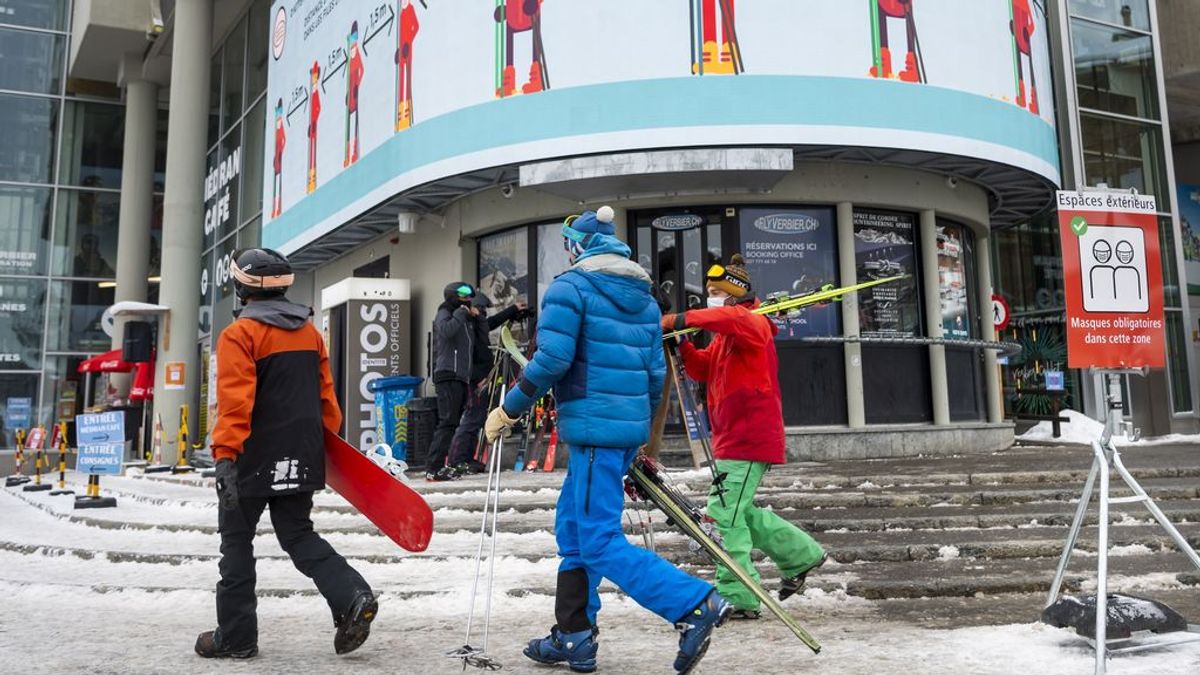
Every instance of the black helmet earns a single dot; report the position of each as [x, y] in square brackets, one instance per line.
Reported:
[260, 273]
[459, 291]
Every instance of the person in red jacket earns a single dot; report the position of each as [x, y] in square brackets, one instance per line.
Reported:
[354, 78]
[522, 16]
[404, 59]
[897, 9]
[745, 409]
[314, 114]
[1022, 27]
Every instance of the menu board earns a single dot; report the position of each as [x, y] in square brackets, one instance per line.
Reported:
[884, 246]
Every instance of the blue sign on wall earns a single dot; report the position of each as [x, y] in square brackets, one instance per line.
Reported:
[101, 439]
[18, 412]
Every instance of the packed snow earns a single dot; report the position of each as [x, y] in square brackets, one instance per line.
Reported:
[1083, 430]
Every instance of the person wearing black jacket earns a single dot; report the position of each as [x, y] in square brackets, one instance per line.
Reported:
[453, 345]
[463, 446]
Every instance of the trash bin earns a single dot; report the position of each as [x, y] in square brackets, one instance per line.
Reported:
[391, 412]
[422, 420]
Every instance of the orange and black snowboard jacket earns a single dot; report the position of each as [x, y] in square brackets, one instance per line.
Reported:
[274, 395]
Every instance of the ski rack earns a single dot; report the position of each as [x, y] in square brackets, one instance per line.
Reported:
[1107, 458]
[1004, 347]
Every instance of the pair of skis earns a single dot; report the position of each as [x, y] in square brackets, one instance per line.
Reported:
[542, 416]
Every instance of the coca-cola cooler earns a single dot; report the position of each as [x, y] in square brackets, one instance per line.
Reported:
[367, 325]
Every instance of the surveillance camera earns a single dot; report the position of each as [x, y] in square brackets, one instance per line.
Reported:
[951, 182]
[507, 191]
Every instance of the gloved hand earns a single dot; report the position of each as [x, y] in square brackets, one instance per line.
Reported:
[674, 322]
[227, 485]
[498, 424]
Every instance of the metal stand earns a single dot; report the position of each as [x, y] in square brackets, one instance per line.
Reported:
[1107, 458]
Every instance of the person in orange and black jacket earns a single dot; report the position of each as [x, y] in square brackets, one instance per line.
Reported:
[275, 397]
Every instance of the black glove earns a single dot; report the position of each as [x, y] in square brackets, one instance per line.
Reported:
[227, 485]
[523, 314]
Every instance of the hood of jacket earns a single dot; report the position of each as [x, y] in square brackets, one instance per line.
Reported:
[618, 278]
[280, 313]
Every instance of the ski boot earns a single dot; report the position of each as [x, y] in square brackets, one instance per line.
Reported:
[470, 468]
[710, 55]
[354, 626]
[441, 475]
[1020, 93]
[535, 84]
[403, 116]
[722, 65]
[792, 585]
[508, 83]
[745, 615]
[885, 70]
[911, 72]
[206, 646]
[1033, 104]
[695, 631]
[577, 649]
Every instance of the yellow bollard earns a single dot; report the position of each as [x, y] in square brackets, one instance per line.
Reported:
[62, 460]
[181, 441]
[39, 462]
[19, 457]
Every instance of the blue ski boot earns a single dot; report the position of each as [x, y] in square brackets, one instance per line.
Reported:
[577, 649]
[696, 628]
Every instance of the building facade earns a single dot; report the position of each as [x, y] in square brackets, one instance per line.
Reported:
[828, 142]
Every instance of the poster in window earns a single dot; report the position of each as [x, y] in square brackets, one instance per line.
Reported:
[793, 251]
[552, 258]
[22, 317]
[504, 271]
[884, 247]
[952, 281]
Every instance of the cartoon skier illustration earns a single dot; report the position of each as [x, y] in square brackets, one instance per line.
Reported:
[280, 142]
[1022, 26]
[404, 55]
[914, 67]
[512, 17]
[708, 56]
[314, 113]
[354, 78]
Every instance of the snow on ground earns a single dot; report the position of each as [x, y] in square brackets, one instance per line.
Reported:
[1082, 430]
[128, 590]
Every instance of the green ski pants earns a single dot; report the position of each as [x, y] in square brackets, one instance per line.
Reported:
[744, 527]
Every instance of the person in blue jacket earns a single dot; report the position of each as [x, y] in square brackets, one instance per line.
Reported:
[599, 344]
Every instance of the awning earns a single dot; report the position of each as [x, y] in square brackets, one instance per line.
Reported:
[109, 362]
[143, 382]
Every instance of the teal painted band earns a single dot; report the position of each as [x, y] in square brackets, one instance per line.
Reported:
[675, 103]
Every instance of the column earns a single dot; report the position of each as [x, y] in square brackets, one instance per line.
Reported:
[991, 370]
[856, 416]
[183, 210]
[931, 287]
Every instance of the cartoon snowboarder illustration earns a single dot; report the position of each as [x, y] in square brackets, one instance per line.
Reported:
[354, 78]
[404, 55]
[314, 113]
[708, 56]
[1022, 27]
[512, 17]
[914, 67]
[280, 142]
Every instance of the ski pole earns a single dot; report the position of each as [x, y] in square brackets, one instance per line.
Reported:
[735, 48]
[689, 401]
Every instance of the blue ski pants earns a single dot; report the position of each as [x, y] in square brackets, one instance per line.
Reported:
[591, 540]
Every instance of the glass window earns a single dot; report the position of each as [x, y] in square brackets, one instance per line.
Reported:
[258, 47]
[954, 283]
[30, 128]
[552, 257]
[504, 269]
[793, 250]
[32, 61]
[160, 152]
[1114, 70]
[24, 229]
[1128, 13]
[85, 236]
[885, 246]
[1170, 267]
[232, 74]
[1028, 266]
[93, 145]
[228, 186]
[644, 245]
[64, 388]
[1123, 155]
[156, 224]
[49, 14]
[22, 319]
[75, 311]
[17, 386]
[214, 100]
[207, 280]
[224, 300]
[251, 191]
[1177, 363]
[250, 236]
[210, 201]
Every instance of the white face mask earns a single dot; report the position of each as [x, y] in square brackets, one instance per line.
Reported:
[715, 301]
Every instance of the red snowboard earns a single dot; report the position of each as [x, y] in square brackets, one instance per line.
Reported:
[391, 505]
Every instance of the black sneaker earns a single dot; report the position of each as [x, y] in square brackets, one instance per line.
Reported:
[441, 475]
[471, 467]
[206, 646]
[354, 627]
[792, 585]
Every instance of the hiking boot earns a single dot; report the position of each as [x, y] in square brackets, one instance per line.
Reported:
[792, 585]
[695, 631]
[578, 649]
[354, 627]
[207, 646]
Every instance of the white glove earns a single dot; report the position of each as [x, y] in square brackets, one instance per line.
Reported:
[498, 424]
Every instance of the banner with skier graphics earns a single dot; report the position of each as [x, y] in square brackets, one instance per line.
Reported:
[368, 99]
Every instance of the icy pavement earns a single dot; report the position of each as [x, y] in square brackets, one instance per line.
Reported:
[126, 590]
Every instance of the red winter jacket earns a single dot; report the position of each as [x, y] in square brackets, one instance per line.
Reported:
[745, 407]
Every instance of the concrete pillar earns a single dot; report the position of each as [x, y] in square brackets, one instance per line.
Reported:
[931, 286]
[183, 211]
[137, 201]
[856, 416]
[991, 371]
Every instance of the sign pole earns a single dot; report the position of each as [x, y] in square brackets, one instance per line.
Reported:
[61, 435]
[19, 458]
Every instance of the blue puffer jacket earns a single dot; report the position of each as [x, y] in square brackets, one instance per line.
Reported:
[599, 346]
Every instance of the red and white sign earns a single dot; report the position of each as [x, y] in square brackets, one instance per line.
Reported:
[37, 436]
[1001, 314]
[1113, 275]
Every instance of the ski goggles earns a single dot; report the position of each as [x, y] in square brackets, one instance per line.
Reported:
[571, 235]
[465, 292]
[719, 273]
